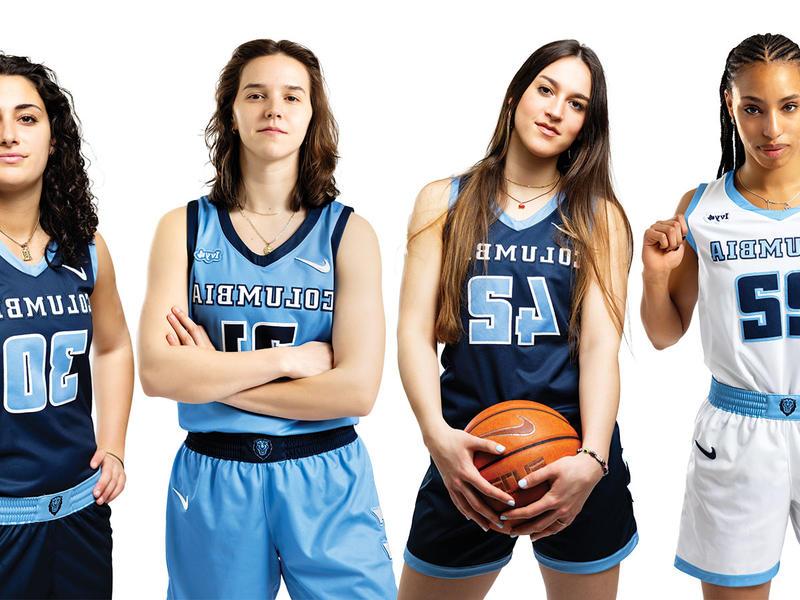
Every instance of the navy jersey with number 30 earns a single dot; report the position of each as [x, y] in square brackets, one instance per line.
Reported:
[46, 433]
[515, 315]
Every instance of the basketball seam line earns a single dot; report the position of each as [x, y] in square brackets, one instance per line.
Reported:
[539, 443]
[558, 416]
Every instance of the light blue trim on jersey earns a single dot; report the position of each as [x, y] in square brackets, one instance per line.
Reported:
[93, 258]
[431, 570]
[454, 185]
[737, 198]
[29, 268]
[537, 217]
[19, 511]
[689, 209]
[592, 566]
[726, 580]
[750, 403]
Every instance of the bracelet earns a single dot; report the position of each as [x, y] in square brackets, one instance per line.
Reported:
[594, 455]
[118, 458]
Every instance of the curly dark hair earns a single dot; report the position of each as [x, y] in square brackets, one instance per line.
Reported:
[316, 184]
[67, 210]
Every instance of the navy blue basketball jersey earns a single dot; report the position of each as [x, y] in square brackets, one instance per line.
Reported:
[247, 301]
[46, 433]
[515, 316]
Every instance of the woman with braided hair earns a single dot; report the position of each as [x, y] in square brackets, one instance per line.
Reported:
[732, 249]
[58, 298]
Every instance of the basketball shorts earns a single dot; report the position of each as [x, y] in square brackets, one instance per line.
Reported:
[246, 510]
[443, 543]
[742, 487]
[56, 546]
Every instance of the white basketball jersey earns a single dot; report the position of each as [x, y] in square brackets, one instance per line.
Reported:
[749, 288]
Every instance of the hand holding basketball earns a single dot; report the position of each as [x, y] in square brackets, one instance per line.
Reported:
[571, 479]
[663, 245]
[452, 451]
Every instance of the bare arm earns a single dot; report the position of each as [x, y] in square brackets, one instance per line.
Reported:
[451, 449]
[669, 279]
[112, 375]
[190, 373]
[351, 386]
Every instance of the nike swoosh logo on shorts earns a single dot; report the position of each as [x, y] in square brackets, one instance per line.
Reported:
[80, 273]
[712, 455]
[324, 267]
[184, 500]
[525, 427]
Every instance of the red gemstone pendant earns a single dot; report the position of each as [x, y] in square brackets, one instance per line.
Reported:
[521, 206]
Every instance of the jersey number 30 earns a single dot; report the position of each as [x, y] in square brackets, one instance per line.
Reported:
[491, 312]
[25, 386]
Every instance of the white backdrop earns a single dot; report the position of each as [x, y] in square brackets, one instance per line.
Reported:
[416, 88]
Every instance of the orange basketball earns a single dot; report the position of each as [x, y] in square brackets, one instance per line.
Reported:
[533, 434]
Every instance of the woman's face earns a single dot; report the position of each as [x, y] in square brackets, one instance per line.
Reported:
[25, 142]
[764, 100]
[272, 109]
[552, 110]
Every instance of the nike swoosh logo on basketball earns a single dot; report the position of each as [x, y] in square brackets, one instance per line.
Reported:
[80, 273]
[184, 500]
[324, 267]
[526, 427]
[712, 455]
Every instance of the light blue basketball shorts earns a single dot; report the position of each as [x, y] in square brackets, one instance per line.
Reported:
[245, 510]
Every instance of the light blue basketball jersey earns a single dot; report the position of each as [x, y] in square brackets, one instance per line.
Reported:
[247, 301]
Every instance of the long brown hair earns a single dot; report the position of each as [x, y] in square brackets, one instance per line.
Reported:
[585, 178]
[316, 184]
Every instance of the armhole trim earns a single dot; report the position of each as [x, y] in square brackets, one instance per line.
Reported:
[192, 219]
[338, 231]
[689, 209]
[454, 185]
[93, 261]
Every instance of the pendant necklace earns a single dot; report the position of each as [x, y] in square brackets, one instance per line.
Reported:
[267, 244]
[26, 251]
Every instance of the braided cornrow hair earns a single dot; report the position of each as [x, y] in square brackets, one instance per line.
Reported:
[765, 48]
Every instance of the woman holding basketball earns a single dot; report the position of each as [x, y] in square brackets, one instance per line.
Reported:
[58, 303]
[272, 481]
[519, 266]
[732, 249]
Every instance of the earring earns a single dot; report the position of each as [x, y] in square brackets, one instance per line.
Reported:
[569, 153]
[733, 137]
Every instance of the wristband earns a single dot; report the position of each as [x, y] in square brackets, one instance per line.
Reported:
[595, 456]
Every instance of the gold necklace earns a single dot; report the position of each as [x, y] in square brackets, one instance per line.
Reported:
[26, 251]
[267, 244]
[271, 212]
[534, 187]
[522, 203]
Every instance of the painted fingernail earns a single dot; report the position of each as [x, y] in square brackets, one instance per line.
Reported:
[522, 483]
[511, 503]
[96, 492]
[500, 448]
[499, 525]
[485, 529]
[513, 535]
[503, 518]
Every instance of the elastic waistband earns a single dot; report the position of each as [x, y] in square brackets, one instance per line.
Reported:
[257, 448]
[754, 404]
[18, 511]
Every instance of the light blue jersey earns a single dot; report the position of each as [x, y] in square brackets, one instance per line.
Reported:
[247, 301]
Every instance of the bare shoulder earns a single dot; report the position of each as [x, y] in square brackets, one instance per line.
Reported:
[358, 232]
[683, 205]
[174, 221]
[430, 206]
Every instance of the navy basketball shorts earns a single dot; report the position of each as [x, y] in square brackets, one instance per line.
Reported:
[443, 543]
[246, 511]
[56, 546]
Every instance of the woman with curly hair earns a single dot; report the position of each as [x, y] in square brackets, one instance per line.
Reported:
[58, 297]
[270, 373]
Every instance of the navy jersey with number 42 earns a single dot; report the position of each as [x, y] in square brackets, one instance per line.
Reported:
[515, 317]
[46, 433]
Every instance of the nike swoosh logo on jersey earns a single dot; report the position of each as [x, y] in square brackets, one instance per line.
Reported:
[712, 455]
[525, 427]
[322, 268]
[80, 273]
[184, 500]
